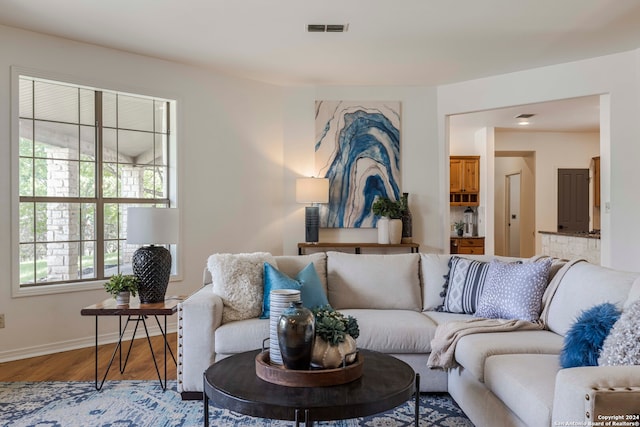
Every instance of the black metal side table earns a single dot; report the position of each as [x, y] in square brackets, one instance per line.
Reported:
[136, 313]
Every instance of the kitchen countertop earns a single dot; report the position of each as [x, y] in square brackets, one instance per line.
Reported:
[586, 235]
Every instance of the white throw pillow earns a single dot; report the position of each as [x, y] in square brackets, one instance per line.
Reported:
[237, 278]
[374, 281]
[622, 345]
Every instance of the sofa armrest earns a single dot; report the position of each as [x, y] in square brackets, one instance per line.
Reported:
[198, 317]
[594, 394]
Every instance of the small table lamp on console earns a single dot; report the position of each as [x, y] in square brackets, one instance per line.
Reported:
[152, 264]
[314, 191]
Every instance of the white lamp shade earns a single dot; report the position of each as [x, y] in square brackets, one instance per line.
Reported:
[152, 226]
[312, 190]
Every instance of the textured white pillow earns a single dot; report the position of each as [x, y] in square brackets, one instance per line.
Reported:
[374, 281]
[622, 345]
[237, 278]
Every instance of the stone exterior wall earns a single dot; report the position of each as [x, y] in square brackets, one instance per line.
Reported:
[571, 247]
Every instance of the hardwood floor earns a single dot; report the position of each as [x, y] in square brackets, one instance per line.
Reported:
[79, 365]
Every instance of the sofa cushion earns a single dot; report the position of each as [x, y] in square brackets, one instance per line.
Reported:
[251, 331]
[442, 317]
[570, 299]
[622, 346]
[374, 281]
[393, 331]
[584, 340]
[464, 284]
[473, 350]
[292, 264]
[306, 281]
[525, 383]
[237, 279]
[514, 291]
[634, 293]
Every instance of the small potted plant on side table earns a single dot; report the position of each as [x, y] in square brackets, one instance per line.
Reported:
[389, 223]
[459, 226]
[122, 286]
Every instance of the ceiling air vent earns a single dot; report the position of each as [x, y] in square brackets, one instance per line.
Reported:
[524, 116]
[330, 28]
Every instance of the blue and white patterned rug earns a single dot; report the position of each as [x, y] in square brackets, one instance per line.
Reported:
[144, 404]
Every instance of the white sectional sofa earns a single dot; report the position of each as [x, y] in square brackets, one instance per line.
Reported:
[501, 379]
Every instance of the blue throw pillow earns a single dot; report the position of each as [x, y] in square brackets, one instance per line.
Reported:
[584, 340]
[307, 281]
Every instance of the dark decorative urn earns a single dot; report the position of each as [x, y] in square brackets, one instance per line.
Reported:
[296, 332]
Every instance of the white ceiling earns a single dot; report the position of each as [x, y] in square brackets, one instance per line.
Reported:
[405, 42]
[567, 115]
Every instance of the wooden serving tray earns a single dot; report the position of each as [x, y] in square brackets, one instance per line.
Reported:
[310, 378]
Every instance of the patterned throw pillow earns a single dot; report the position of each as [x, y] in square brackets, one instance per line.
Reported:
[622, 345]
[514, 291]
[464, 285]
[584, 340]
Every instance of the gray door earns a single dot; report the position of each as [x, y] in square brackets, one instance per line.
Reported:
[573, 200]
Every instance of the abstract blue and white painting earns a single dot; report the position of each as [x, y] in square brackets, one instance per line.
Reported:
[358, 149]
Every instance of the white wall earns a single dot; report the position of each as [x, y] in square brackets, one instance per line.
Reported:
[419, 159]
[553, 151]
[615, 76]
[525, 165]
[230, 154]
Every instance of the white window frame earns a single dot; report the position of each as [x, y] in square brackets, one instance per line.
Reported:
[173, 189]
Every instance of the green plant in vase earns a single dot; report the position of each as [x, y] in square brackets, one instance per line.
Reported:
[335, 338]
[385, 207]
[121, 286]
[459, 227]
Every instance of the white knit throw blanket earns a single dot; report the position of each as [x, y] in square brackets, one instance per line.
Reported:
[443, 345]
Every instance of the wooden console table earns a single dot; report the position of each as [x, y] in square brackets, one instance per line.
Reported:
[302, 247]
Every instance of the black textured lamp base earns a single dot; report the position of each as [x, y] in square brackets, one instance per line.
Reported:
[311, 224]
[152, 267]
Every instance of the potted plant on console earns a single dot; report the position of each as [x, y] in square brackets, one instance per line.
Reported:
[389, 222]
[335, 338]
[122, 286]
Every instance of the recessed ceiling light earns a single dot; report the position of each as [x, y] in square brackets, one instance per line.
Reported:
[524, 123]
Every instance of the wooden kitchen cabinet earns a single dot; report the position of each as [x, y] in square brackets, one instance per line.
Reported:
[467, 245]
[464, 180]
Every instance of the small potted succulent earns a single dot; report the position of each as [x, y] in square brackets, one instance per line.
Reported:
[335, 338]
[459, 227]
[122, 286]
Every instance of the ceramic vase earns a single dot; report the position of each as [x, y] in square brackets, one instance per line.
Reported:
[407, 220]
[330, 356]
[395, 231]
[123, 298]
[279, 300]
[296, 333]
[383, 230]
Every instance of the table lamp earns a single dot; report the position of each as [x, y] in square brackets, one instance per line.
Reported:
[152, 264]
[313, 191]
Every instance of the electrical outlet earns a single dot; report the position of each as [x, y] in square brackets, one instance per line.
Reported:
[1, 321]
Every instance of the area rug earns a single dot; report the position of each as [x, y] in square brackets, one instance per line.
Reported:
[144, 404]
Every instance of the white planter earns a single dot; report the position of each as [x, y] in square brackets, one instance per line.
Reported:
[123, 298]
[395, 231]
[383, 230]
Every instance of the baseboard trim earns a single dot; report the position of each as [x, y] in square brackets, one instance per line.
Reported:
[75, 344]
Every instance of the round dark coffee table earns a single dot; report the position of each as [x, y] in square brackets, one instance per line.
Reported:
[386, 382]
